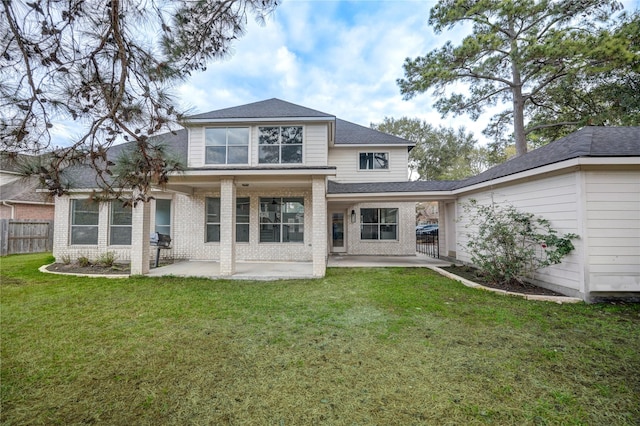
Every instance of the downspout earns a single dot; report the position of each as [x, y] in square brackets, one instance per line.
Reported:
[12, 207]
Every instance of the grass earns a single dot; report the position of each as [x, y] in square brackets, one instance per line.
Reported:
[361, 346]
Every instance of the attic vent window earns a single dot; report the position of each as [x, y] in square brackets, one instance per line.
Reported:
[374, 161]
[280, 145]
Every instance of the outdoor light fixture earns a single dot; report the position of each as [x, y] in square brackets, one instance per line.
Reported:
[353, 216]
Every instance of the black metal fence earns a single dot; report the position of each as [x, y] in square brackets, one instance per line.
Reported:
[428, 244]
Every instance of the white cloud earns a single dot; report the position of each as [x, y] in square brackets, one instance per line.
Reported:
[341, 58]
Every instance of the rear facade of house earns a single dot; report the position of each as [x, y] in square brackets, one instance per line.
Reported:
[254, 189]
[274, 181]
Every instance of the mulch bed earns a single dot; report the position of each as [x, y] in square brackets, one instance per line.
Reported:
[474, 275]
[74, 268]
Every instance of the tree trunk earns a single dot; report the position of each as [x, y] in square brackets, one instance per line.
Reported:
[518, 121]
[518, 99]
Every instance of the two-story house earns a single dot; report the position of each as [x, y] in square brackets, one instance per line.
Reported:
[274, 181]
[254, 189]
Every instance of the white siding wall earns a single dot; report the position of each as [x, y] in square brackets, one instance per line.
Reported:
[613, 230]
[347, 162]
[196, 147]
[405, 245]
[315, 144]
[554, 198]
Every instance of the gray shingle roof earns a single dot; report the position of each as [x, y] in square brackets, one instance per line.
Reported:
[24, 189]
[589, 141]
[353, 134]
[382, 187]
[270, 108]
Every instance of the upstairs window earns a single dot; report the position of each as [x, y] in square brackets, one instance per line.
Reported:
[379, 224]
[280, 145]
[84, 222]
[226, 145]
[374, 161]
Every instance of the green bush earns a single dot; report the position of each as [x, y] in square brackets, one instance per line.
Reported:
[84, 261]
[510, 244]
[107, 259]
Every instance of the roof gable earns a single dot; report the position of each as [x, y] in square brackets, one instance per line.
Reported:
[270, 108]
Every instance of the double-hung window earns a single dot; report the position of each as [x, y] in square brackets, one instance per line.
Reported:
[243, 209]
[280, 145]
[379, 224]
[84, 222]
[226, 145]
[374, 161]
[213, 220]
[120, 224]
[281, 220]
[163, 216]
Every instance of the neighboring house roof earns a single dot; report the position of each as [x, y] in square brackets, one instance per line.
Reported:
[353, 134]
[381, 187]
[591, 141]
[270, 108]
[23, 190]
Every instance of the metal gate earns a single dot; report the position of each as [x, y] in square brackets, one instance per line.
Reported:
[428, 244]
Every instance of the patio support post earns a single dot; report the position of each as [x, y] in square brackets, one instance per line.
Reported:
[140, 247]
[227, 227]
[319, 222]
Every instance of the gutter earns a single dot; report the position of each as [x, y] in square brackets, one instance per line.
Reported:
[12, 207]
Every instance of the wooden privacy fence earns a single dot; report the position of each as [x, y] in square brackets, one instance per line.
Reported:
[25, 236]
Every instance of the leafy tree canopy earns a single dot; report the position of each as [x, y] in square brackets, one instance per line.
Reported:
[532, 54]
[107, 66]
[440, 153]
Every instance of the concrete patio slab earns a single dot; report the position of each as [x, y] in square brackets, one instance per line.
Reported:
[288, 270]
[264, 271]
[351, 261]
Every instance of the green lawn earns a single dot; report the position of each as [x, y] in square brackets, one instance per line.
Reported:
[370, 346]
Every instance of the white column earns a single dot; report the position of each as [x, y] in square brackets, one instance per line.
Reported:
[140, 228]
[320, 229]
[227, 227]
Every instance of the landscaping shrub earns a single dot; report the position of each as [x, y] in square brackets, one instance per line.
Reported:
[511, 245]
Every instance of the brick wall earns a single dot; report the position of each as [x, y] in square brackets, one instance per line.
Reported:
[405, 245]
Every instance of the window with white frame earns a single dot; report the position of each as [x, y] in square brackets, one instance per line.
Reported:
[374, 161]
[84, 222]
[163, 216]
[379, 224]
[226, 145]
[120, 224]
[281, 220]
[213, 220]
[280, 145]
[243, 209]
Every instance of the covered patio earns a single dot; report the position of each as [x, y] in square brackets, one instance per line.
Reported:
[268, 271]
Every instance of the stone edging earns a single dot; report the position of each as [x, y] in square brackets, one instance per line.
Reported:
[44, 269]
[472, 284]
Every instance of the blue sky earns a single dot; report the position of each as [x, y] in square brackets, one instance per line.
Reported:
[339, 57]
